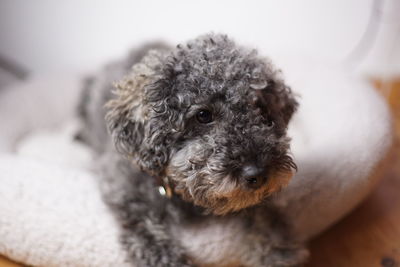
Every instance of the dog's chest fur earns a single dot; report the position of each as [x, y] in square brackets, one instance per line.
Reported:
[213, 242]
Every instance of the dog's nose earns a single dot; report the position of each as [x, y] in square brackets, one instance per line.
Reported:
[252, 175]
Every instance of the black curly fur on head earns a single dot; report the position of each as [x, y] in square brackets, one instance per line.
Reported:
[154, 119]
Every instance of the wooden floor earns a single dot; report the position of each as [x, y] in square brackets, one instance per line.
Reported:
[369, 236]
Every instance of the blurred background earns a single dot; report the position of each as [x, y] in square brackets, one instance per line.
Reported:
[43, 36]
[47, 37]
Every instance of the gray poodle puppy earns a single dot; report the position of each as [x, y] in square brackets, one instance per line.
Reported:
[197, 146]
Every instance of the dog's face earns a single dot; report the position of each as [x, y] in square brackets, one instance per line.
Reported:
[212, 118]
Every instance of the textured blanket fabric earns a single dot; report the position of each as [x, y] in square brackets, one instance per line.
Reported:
[51, 213]
[53, 216]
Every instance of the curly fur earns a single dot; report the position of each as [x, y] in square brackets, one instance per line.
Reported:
[152, 121]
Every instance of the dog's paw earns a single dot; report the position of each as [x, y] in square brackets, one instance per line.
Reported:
[165, 261]
[162, 255]
[286, 257]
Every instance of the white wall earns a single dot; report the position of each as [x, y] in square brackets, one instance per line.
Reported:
[50, 35]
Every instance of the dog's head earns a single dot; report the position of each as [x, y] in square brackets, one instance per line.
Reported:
[211, 117]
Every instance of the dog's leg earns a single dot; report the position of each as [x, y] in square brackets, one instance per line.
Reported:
[272, 243]
[141, 212]
[282, 255]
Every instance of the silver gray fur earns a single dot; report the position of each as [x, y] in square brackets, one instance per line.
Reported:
[222, 171]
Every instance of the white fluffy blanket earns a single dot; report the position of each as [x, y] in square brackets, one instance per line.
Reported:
[51, 213]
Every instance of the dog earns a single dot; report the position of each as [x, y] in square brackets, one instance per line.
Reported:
[192, 144]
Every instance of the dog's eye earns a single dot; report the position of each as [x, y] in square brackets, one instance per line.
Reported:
[270, 124]
[204, 116]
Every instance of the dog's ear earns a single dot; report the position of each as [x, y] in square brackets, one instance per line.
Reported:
[285, 102]
[277, 100]
[125, 115]
[128, 112]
